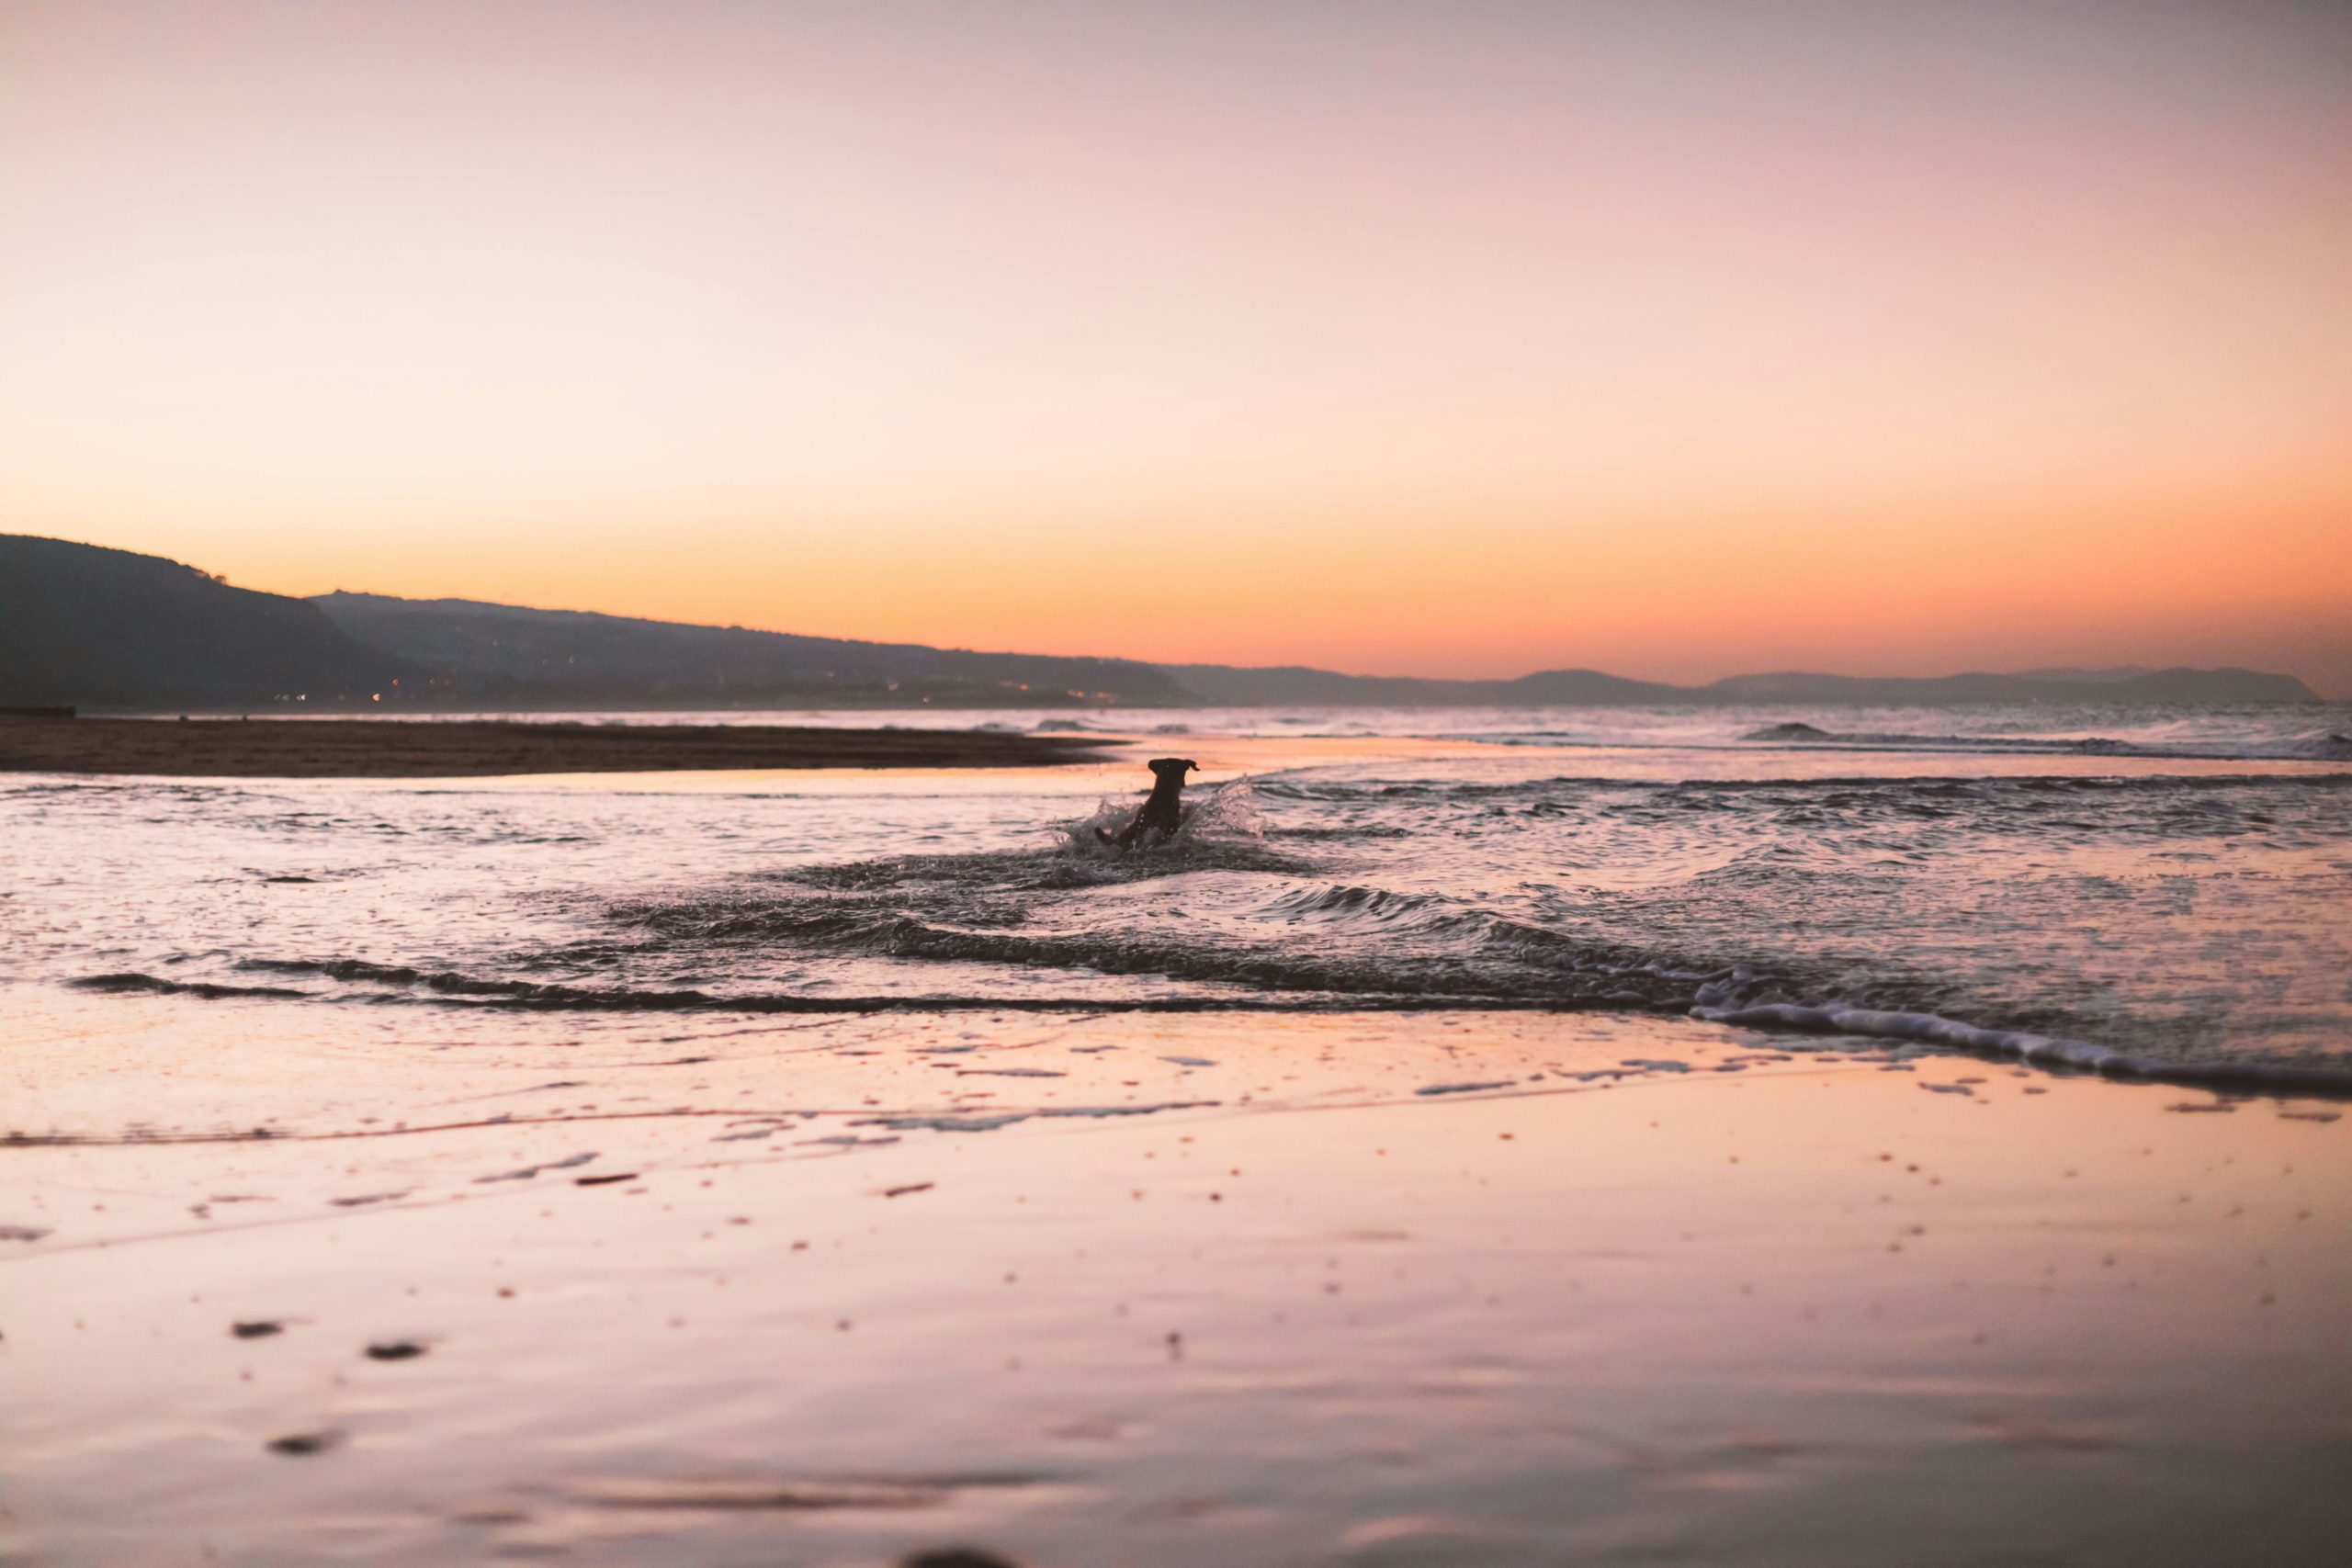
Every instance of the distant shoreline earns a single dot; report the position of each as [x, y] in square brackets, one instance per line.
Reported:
[115, 631]
[343, 748]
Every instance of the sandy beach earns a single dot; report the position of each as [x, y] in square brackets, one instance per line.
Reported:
[313, 748]
[1114, 1289]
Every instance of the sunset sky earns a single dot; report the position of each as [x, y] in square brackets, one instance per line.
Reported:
[1673, 339]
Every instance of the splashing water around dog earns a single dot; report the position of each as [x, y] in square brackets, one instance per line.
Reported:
[1230, 812]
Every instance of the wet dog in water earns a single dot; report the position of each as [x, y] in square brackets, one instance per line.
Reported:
[1164, 811]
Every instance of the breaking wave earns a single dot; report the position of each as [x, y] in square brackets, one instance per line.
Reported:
[2317, 746]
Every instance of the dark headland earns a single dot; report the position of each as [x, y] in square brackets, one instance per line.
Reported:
[359, 748]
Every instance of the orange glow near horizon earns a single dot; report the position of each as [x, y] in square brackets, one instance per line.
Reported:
[1673, 340]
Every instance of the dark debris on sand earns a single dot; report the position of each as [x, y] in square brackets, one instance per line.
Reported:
[394, 1350]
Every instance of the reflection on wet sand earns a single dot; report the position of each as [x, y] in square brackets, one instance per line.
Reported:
[847, 1290]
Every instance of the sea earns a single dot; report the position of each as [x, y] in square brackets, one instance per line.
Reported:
[2142, 891]
[1504, 1138]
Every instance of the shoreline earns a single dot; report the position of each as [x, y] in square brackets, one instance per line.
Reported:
[353, 748]
[844, 1289]
[1795, 1027]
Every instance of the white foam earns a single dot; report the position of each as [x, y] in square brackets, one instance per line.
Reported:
[2040, 1049]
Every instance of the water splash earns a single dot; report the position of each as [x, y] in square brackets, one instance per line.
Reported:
[1229, 814]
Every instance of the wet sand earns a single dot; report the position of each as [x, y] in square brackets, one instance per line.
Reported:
[276, 747]
[1150, 1289]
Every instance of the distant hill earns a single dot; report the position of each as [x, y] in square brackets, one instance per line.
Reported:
[1223, 685]
[2210, 687]
[107, 628]
[1293, 686]
[503, 655]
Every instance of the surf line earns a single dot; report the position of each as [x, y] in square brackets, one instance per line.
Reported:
[867, 1115]
[2039, 1050]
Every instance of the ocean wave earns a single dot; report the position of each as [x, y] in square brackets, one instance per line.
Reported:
[333, 969]
[1386, 791]
[134, 984]
[2319, 745]
[450, 989]
[1353, 903]
[1801, 736]
[2276, 1077]
[1295, 990]
[2002, 810]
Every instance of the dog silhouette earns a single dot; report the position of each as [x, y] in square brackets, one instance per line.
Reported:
[1164, 811]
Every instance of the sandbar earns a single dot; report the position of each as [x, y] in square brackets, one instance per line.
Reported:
[276, 747]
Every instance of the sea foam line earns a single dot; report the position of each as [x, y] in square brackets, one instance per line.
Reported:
[2040, 1050]
[1929, 1028]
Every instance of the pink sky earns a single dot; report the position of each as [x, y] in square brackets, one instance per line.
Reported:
[1674, 339]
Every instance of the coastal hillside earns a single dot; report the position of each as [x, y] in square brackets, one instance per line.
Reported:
[102, 628]
[96, 627]
[505, 655]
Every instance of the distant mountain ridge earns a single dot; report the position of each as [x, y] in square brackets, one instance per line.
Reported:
[1220, 686]
[109, 628]
[2212, 687]
[504, 654]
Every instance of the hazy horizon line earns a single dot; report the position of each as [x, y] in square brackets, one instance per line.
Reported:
[2041, 670]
